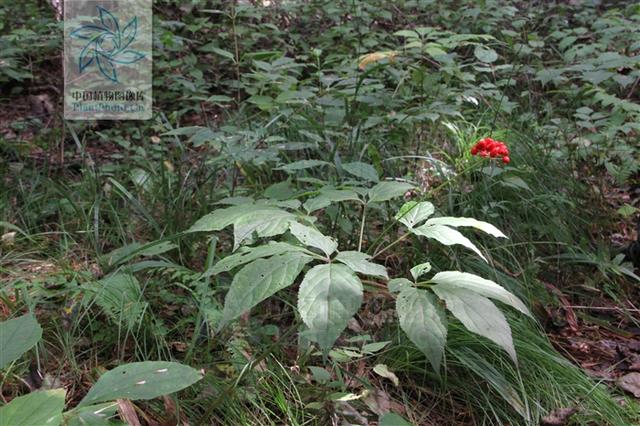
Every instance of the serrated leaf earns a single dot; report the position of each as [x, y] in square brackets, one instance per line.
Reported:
[447, 236]
[478, 314]
[412, 213]
[359, 262]
[467, 221]
[362, 170]
[481, 286]
[249, 254]
[328, 298]
[259, 280]
[17, 336]
[221, 218]
[385, 191]
[424, 321]
[311, 237]
[42, 408]
[141, 380]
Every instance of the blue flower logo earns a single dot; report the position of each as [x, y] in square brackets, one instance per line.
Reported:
[107, 45]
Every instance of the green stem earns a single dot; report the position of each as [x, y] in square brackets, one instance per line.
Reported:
[364, 218]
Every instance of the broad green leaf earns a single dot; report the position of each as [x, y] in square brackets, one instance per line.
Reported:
[328, 298]
[40, 408]
[424, 321]
[481, 286]
[311, 237]
[259, 280]
[359, 262]
[249, 254]
[393, 419]
[412, 213]
[478, 314]
[17, 336]
[385, 191]
[396, 285]
[141, 380]
[467, 221]
[361, 170]
[302, 165]
[329, 196]
[447, 236]
[419, 270]
[485, 54]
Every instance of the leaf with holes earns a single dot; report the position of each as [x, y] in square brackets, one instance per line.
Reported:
[329, 297]
[478, 314]
[141, 380]
[17, 336]
[424, 321]
[259, 280]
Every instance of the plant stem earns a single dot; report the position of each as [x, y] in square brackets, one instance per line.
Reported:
[364, 217]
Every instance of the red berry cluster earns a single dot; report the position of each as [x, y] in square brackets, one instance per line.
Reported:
[488, 147]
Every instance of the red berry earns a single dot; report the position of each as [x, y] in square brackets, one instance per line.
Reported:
[506, 160]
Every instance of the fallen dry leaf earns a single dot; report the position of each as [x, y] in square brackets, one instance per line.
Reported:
[630, 383]
[128, 412]
[559, 416]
